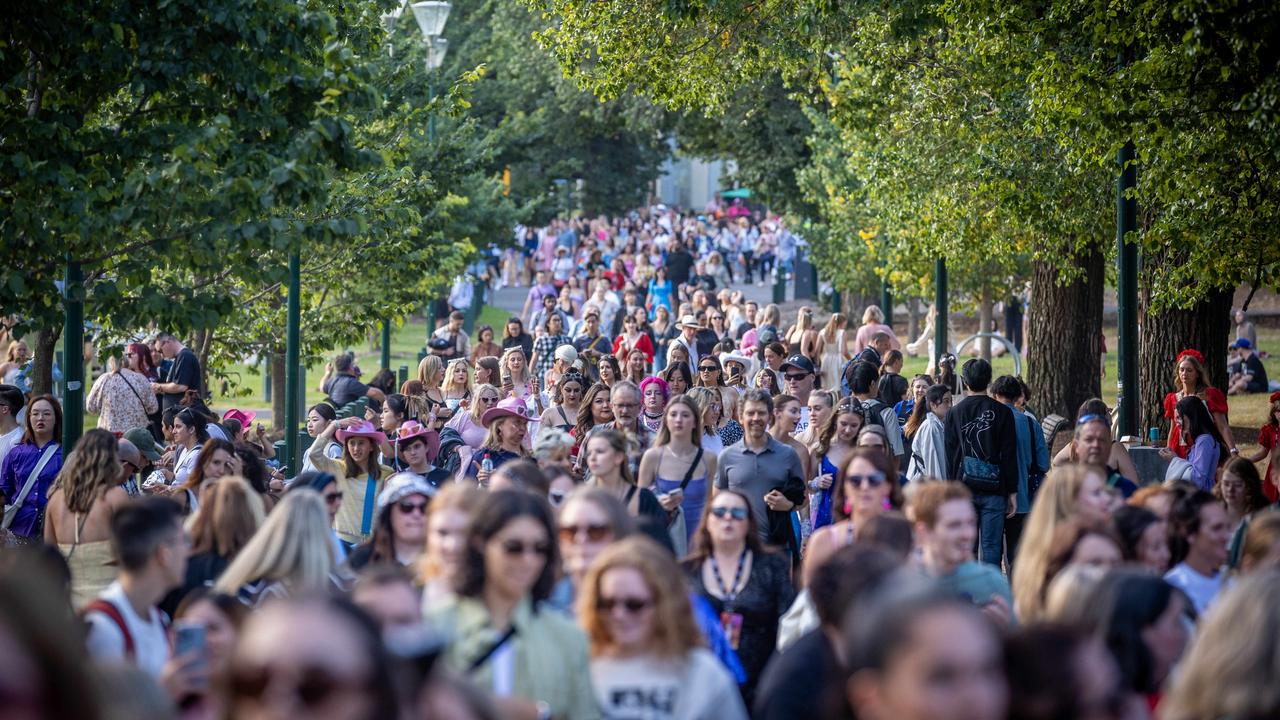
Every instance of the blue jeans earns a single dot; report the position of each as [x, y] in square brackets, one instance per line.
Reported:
[990, 510]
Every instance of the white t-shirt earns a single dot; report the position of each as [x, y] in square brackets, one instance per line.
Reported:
[106, 642]
[1202, 590]
[8, 440]
[650, 688]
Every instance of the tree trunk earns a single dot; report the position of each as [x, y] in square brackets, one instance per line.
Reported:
[1064, 345]
[985, 304]
[42, 367]
[1204, 327]
[202, 344]
[913, 318]
[277, 391]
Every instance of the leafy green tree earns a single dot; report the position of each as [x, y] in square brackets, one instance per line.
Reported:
[167, 149]
[545, 127]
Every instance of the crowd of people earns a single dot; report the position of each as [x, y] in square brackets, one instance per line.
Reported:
[644, 498]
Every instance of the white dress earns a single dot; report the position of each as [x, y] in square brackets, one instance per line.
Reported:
[833, 362]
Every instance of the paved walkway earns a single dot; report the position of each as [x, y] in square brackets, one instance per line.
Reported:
[511, 299]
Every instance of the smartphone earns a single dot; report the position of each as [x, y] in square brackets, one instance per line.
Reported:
[188, 638]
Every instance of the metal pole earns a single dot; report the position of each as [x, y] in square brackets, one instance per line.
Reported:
[431, 121]
[1127, 292]
[73, 345]
[291, 384]
[940, 308]
[386, 343]
[886, 301]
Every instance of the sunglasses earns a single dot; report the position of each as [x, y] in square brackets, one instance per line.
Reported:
[313, 687]
[870, 480]
[408, 508]
[514, 548]
[708, 368]
[594, 533]
[726, 513]
[796, 377]
[334, 497]
[631, 605]
[488, 400]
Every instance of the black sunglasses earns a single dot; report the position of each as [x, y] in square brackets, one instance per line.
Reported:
[708, 368]
[313, 687]
[515, 547]
[594, 533]
[874, 479]
[631, 605]
[408, 507]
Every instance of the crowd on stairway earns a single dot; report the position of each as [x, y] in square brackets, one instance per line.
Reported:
[648, 495]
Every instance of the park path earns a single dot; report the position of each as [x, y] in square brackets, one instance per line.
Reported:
[511, 299]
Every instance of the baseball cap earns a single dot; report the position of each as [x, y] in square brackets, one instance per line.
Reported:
[799, 362]
[146, 444]
[1242, 343]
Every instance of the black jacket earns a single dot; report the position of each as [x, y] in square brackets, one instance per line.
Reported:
[982, 427]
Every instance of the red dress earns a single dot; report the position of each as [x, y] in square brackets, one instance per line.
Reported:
[642, 344]
[1268, 436]
[1217, 403]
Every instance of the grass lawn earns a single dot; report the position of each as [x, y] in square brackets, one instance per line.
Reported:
[245, 382]
[1247, 411]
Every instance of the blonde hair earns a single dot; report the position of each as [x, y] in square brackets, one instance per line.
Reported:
[1072, 595]
[294, 547]
[1055, 503]
[1230, 670]
[429, 366]
[92, 468]
[229, 518]
[447, 383]
[772, 315]
[477, 408]
[702, 397]
[804, 318]
[453, 496]
[664, 432]
[493, 437]
[505, 371]
[1260, 536]
[674, 633]
[835, 323]
[873, 314]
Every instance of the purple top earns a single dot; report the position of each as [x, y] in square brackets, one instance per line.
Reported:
[1203, 457]
[18, 464]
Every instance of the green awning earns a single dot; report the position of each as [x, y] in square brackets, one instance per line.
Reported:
[743, 193]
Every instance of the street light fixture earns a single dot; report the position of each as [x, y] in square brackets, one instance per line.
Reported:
[431, 16]
[437, 48]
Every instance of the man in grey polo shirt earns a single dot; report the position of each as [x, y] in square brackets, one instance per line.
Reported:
[765, 470]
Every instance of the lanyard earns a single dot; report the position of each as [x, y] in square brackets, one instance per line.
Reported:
[366, 521]
[730, 594]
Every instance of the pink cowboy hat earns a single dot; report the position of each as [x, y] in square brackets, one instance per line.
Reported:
[413, 429]
[244, 416]
[364, 429]
[510, 407]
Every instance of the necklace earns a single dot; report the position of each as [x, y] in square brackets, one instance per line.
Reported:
[731, 593]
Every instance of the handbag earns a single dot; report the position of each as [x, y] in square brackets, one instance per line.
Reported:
[11, 511]
[980, 476]
[133, 390]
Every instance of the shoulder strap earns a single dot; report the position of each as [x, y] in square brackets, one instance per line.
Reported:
[488, 653]
[688, 476]
[108, 608]
[35, 475]
[132, 389]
